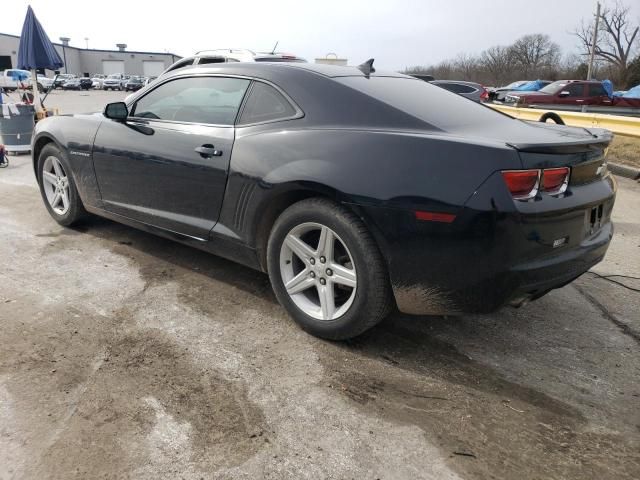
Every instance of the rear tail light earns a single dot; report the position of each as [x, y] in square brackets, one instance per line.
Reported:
[484, 96]
[523, 184]
[555, 180]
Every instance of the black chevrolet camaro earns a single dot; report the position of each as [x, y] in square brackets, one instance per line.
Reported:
[357, 191]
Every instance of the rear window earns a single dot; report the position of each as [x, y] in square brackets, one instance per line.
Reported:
[280, 59]
[456, 87]
[207, 60]
[425, 101]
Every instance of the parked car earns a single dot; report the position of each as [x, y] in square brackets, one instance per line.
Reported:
[500, 93]
[45, 82]
[223, 55]
[470, 90]
[62, 78]
[86, 83]
[113, 82]
[72, 84]
[124, 80]
[564, 92]
[413, 197]
[134, 84]
[13, 78]
[96, 81]
[149, 80]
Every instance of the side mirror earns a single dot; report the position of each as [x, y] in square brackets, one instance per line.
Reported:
[116, 111]
[564, 93]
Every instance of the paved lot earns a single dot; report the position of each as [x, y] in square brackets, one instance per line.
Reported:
[127, 356]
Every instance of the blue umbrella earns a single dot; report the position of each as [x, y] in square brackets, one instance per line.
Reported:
[36, 50]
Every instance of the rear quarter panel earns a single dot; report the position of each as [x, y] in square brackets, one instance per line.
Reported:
[394, 170]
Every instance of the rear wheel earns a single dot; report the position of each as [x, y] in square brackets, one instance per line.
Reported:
[57, 187]
[327, 271]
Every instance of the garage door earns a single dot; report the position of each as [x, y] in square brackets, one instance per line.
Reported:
[112, 66]
[152, 68]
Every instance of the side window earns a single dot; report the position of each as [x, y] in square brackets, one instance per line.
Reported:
[265, 104]
[596, 90]
[456, 87]
[574, 89]
[209, 100]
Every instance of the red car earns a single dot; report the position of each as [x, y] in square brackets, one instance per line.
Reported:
[564, 92]
[570, 92]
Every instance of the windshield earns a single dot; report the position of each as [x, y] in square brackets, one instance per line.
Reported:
[554, 87]
[114, 76]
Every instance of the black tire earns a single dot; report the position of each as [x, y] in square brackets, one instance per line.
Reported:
[551, 116]
[373, 298]
[76, 210]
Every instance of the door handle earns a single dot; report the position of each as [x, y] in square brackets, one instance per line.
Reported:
[207, 151]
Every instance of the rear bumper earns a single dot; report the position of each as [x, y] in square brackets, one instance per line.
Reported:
[521, 283]
[491, 256]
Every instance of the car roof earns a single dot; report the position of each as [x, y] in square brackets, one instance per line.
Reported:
[255, 68]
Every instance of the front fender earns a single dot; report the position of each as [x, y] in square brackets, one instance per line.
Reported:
[74, 136]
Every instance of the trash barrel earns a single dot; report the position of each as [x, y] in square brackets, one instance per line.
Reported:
[16, 126]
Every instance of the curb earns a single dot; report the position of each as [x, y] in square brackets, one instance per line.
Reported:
[624, 170]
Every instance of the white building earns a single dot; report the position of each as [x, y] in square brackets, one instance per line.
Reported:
[87, 62]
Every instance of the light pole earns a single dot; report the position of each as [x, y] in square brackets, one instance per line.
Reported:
[65, 41]
[86, 39]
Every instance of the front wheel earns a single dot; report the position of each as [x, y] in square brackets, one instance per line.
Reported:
[58, 188]
[327, 271]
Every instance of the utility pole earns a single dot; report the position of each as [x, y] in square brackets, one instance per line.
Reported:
[594, 41]
[86, 39]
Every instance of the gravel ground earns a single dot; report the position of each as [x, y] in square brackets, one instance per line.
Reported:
[127, 356]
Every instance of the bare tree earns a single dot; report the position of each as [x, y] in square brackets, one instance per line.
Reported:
[498, 64]
[617, 39]
[466, 66]
[535, 54]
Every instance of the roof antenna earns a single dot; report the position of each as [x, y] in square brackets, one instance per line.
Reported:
[274, 48]
[367, 67]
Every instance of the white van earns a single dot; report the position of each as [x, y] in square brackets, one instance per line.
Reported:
[10, 78]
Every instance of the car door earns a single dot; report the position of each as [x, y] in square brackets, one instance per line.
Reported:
[597, 95]
[167, 164]
[572, 94]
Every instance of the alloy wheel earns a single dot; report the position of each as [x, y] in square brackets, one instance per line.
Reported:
[318, 271]
[56, 185]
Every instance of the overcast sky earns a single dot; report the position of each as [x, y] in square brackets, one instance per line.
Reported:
[397, 33]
